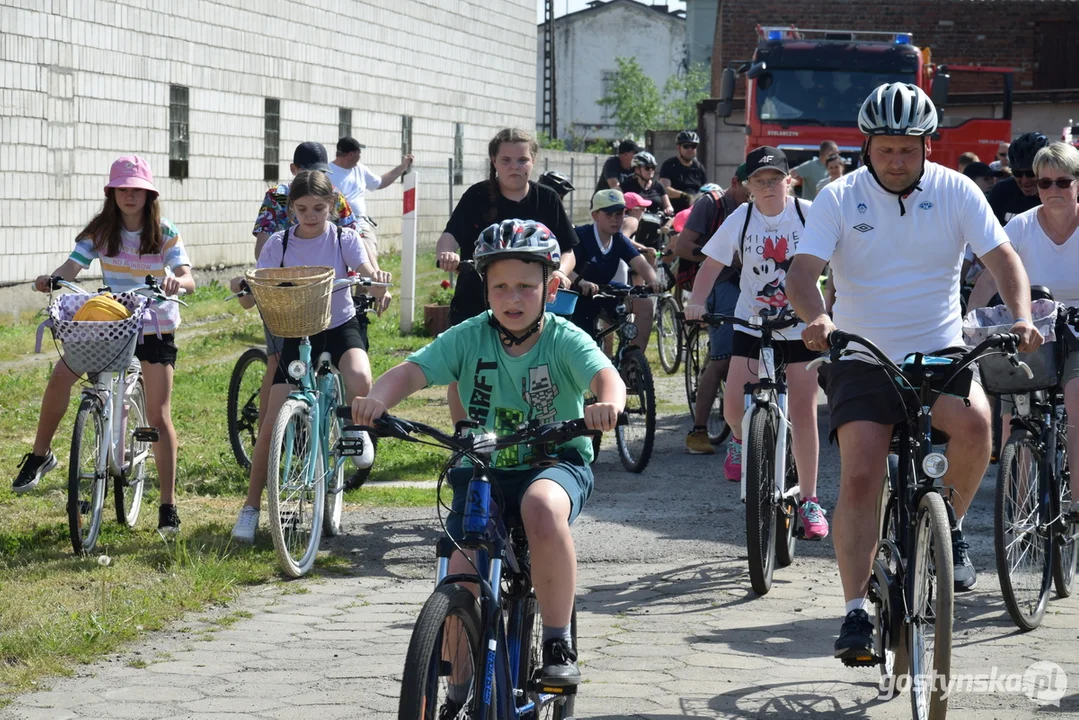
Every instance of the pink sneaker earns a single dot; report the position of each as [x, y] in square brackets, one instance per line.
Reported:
[814, 525]
[732, 465]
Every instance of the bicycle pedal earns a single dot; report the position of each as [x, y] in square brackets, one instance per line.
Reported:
[350, 446]
[537, 686]
[147, 434]
[858, 661]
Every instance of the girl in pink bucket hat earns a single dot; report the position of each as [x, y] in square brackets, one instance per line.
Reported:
[130, 240]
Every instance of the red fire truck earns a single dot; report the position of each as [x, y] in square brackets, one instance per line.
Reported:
[806, 86]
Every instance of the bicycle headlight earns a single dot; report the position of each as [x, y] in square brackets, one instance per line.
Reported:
[297, 369]
[935, 465]
[629, 331]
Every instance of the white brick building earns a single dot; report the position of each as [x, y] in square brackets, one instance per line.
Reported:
[84, 81]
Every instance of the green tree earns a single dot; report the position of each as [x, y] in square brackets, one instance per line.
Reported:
[633, 99]
[681, 94]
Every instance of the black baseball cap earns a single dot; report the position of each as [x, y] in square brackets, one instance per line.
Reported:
[349, 144]
[627, 146]
[311, 156]
[977, 170]
[766, 157]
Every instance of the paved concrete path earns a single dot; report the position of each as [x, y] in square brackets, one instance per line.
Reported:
[669, 626]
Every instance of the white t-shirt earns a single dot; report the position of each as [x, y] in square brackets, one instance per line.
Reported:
[1054, 266]
[769, 253]
[897, 277]
[353, 184]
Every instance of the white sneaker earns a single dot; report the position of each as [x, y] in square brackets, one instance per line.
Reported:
[367, 458]
[244, 529]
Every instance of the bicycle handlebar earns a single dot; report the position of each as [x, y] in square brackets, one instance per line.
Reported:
[150, 289]
[785, 319]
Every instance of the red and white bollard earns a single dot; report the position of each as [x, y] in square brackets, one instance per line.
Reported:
[409, 227]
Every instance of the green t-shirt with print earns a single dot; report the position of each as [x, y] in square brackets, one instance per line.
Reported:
[548, 383]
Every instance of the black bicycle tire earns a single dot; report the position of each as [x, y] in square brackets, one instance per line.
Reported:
[786, 524]
[667, 302]
[634, 357]
[446, 601]
[239, 451]
[124, 515]
[1023, 620]
[530, 609]
[932, 505]
[88, 408]
[760, 482]
[1065, 550]
[887, 527]
[692, 367]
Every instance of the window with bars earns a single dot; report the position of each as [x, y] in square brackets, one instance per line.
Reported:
[459, 154]
[179, 139]
[608, 85]
[344, 122]
[271, 140]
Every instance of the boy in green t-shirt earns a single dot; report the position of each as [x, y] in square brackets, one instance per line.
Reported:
[516, 363]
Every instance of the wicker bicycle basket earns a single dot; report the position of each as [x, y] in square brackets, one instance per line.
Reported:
[294, 301]
[92, 347]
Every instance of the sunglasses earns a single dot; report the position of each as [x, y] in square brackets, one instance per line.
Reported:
[1022, 174]
[1062, 183]
[689, 146]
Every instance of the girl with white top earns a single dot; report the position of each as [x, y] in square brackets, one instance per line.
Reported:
[313, 240]
[1046, 239]
[767, 238]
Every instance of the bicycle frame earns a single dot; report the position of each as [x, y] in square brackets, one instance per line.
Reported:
[320, 388]
[111, 390]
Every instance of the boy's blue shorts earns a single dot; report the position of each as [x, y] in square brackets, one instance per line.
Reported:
[572, 474]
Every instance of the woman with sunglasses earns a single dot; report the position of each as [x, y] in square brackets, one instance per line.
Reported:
[1047, 241]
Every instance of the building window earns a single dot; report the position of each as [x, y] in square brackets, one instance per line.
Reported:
[344, 122]
[1058, 56]
[179, 140]
[271, 139]
[608, 86]
[406, 135]
[459, 154]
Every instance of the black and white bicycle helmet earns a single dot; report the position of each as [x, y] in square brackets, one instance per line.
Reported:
[644, 159]
[557, 182]
[1023, 149]
[687, 137]
[898, 109]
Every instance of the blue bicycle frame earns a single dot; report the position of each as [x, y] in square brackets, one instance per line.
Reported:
[321, 389]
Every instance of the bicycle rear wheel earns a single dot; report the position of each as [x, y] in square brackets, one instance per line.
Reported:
[1021, 538]
[786, 517]
[932, 593]
[531, 658]
[87, 477]
[760, 452]
[127, 490]
[635, 439]
[444, 650]
[668, 335]
[693, 366]
[243, 404]
[334, 477]
[1065, 555]
[718, 430]
[295, 489]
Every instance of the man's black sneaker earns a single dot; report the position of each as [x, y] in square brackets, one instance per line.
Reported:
[855, 644]
[450, 711]
[31, 470]
[965, 577]
[559, 664]
[168, 522]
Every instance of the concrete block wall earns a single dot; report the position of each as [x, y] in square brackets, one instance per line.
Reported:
[85, 81]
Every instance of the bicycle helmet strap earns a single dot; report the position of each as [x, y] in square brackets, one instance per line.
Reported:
[902, 193]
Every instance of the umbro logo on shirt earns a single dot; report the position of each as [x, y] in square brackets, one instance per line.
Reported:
[863, 228]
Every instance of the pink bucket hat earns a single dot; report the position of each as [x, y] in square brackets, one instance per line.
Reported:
[634, 200]
[131, 171]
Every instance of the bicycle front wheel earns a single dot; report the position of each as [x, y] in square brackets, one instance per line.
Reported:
[760, 453]
[243, 404]
[636, 438]
[1021, 538]
[932, 593]
[128, 489]
[295, 489]
[444, 653]
[692, 368]
[668, 335]
[87, 476]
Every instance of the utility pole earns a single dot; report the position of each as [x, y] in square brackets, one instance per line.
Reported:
[550, 96]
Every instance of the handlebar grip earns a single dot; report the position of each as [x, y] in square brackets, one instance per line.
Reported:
[343, 412]
[623, 419]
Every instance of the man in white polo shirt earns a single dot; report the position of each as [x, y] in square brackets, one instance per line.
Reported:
[895, 232]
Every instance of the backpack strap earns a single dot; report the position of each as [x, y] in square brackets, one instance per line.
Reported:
[798, 209]
[284, 245]
[745, 227]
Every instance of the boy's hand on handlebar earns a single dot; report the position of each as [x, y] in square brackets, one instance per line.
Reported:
[366, 410]
[588, 289]
[1029, 337]
[600, 416]
[42, 283]
[694, 312]
[449, 261]
[563, 279]
[815, 336]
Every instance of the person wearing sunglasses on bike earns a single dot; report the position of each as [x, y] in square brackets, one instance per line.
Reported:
[1019, 193]
[895, 231]
[683, 175]
[514, 363]
[1046, 238]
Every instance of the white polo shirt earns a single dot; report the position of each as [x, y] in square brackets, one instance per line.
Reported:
[353, 184]
[897, 277]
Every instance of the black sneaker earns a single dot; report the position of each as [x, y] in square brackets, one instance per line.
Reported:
[450, 711]
[855, 644]
[31, 470]
[168, 522]
[559, 664]
[965, 577]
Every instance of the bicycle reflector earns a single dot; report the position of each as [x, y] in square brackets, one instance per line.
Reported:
[935, 465]
[297, 369]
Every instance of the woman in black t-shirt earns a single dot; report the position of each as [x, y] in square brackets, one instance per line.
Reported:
[506, 194]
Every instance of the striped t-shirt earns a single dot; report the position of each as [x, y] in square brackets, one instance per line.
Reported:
[127, 269]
